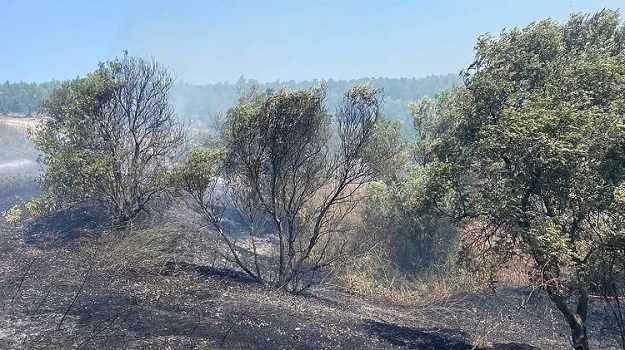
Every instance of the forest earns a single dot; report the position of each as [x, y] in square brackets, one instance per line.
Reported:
[201, 102]
[488, 204]
[24, 98]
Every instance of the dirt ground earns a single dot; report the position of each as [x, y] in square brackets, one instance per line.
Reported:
[56, 294]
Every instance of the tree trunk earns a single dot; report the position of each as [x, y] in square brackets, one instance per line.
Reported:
[575, 318]
[580, 339]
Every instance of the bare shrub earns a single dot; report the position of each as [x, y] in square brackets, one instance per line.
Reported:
[287, 171]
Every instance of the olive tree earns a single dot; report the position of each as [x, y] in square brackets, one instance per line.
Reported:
[536, 159]
[297, 169]
[109, 138]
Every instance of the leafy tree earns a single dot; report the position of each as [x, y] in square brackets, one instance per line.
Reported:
[433, 119]
[290, 169]
[110, 138]
[536, 159]
[415, 244]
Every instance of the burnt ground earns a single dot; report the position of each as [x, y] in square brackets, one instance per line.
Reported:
[58, 291]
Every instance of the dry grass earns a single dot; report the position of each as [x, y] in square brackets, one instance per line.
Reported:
[137, 261]
[373, 274]
[23, 123]
[143, 251]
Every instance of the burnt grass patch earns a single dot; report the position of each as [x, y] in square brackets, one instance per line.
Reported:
[62, 228]
[419, 338]
[58, 292]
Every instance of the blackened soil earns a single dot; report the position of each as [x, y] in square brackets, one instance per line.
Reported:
[55, 294]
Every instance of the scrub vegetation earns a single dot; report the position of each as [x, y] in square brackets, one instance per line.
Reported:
[300, 219]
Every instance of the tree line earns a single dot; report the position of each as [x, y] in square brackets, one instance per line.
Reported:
[24, 98]
[202, 102]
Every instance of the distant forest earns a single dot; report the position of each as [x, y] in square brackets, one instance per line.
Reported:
[24, 98]
[200, 102]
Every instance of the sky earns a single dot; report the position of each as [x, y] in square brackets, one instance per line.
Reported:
[210, 41]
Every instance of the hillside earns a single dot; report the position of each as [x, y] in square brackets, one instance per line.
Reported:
[74, 286]
[68, 282]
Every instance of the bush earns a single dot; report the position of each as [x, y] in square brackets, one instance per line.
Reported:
[110, 138]
[417, 244]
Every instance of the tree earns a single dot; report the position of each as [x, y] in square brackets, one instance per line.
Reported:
[110, 138]
[432, 119]
[415, 244]
[290, 169]
[536, 159]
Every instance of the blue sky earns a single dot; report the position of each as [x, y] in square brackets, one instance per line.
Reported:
[207, 41]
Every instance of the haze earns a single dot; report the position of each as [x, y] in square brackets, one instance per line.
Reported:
[217, 41]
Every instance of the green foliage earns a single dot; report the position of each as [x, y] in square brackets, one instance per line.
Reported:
[41, 205]
[536, 155]
[386, 136]
[268, 133]
[417, 244]
[110, 138]
[432, 119]
[36, 207]
[200, 171]
[13, 215]
[23, 98]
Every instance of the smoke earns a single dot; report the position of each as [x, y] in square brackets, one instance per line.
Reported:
[16, 164]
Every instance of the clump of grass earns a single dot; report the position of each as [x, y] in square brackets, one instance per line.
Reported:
[374, 275]
[440, 287]
[138, 251]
